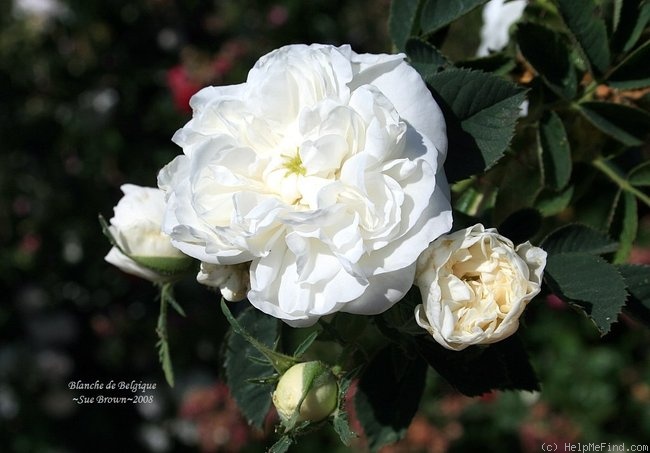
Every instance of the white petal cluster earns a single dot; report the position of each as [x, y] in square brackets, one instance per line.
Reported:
[475, 285]
[232, 281]
[498, 17]
[323, 170]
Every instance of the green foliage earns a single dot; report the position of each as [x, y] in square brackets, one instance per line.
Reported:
[633, 71]
[628, 125]
[637, 279]
[244, 363]
[401, 21]
[589, 282]
[627, 225]
[482, 111]
[589, 31]
[388, 396]
[640, 175]
[552, 60]
[633, 20]
[556, 153]
[574, 238]
[340, 420]
[504, 366]
[440, 13]
[425, 57]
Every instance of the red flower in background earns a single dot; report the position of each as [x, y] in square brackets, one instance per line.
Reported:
[198, 70]
[182, 87]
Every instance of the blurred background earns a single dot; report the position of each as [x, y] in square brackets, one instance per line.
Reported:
[90, 95]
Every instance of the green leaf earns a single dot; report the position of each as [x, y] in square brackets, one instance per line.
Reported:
[637, 279]
[480, 369]
[425, 58]
[626, 224]
[555, 150]
[551, 60]
[640, 175]
[340, 420]
[481, 111]
[519, 183]
[402, 21]
[616, 14]
[628, 125]
[589, 30]
[589, 282]
[578, 238]
[521, 225]
[635, 16]
[439, 13]
[282, 445]
[306, 343]
[254, 400]
[551, 203]
[500, 63]
[341, 426]
[634, 71]
[400, 317]
[388, 396]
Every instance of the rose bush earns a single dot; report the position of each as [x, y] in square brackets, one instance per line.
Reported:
[141, 248]
[475, 285]
[323, 170]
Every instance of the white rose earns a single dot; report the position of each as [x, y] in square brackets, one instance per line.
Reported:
[148, 252]
[318, 403]
[324, 170]
[232, 281]
[475, 285]
[498, 17]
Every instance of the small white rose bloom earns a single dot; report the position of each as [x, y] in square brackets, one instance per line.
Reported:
[475, 285]
[136, 227]
[324, 171]
[321, 399]
[233, 280]
[498, 17]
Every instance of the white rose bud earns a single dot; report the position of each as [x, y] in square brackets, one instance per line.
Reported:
[475, 285]
[321, 399]
[232, 280]
[148, 252]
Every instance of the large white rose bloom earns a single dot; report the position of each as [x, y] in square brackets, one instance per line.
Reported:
[136, 227]
[324, 170]
[475, 285]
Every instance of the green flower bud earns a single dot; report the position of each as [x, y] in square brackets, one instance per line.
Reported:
[319, 402]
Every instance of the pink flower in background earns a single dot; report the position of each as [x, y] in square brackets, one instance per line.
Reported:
[182, 87]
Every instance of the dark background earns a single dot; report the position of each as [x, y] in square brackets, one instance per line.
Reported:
[90, 95]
